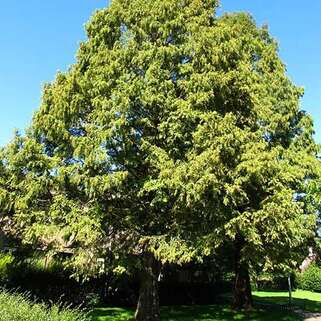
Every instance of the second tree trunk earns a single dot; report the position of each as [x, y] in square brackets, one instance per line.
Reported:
[148, 302]
[242, 295]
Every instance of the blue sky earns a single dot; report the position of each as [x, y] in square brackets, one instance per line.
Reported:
[40, 37]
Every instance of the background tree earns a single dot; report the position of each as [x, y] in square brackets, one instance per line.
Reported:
[252, 154]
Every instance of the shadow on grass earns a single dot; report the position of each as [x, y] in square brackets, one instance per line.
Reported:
[303, 304]
[112, 314]
[197, 313]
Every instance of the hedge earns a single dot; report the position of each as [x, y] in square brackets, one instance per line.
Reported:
[310, 279]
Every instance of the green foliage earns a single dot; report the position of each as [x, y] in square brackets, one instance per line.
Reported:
[176, 131]
[310, 279]
[46, 279]
[22, 265]
[268, 281]
[15, 307]
[5, 261]
[84, 177]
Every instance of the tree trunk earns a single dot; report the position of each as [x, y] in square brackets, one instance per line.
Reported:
[242, 295]
[148, 302]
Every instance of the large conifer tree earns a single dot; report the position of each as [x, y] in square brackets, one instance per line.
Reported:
[174, 132]
[253, 157]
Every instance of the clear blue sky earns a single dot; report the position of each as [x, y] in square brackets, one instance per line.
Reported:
[40, 37]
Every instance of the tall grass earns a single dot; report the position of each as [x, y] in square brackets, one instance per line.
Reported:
[17, 307]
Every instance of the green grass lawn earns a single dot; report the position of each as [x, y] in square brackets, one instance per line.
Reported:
[306, 300]
[197, 313]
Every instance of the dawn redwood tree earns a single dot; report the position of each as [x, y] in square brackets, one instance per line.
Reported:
[82, 175]
[252, 159]
[174, 132]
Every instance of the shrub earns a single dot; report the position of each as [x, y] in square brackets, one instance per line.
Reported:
[16, 307]
[45, 280]
[5, 261]
[310, 279]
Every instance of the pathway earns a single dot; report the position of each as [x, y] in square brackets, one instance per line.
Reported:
[313, 317]
[310, 316]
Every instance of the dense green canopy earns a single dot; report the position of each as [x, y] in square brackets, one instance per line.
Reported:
[174, 132]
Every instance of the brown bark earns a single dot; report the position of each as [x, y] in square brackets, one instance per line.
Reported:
[242, 294]
[148, 302]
